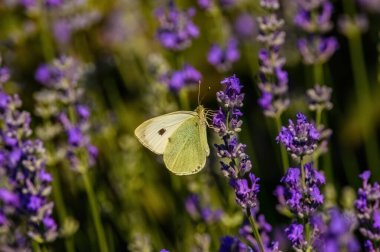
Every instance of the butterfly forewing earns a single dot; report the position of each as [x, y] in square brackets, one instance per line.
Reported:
[187, 148]
[154, 133]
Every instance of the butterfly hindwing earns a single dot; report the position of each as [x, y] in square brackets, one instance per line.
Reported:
[187, 148]
[154, 133]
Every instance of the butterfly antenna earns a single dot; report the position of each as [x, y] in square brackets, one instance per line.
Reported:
[199, 92]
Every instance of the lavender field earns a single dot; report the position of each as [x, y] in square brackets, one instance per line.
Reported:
[265, 134]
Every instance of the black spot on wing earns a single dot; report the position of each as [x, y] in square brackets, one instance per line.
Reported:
[161, 131]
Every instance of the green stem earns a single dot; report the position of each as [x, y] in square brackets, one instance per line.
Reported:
[363, 97]
[255, 230]
[46, 40]
[362, 92]
[326, 160]
[36, 247]
[305, 223]
[284, 155]
[318, 119]
[95, 213]
[359, 68]
[43, 247]
[307, 235]
[57, 191]
[60, 206]
[349, 7]
[318, 73]
[318, 116]
[303, 179]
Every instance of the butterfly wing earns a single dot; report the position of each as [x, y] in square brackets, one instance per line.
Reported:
[187, 148]
[154, 133]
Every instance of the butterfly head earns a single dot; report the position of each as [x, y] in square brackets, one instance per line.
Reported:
[204, 114]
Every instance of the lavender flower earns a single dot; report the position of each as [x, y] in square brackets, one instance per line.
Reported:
[71, 17]
[233, 244]
[53, 3]
[317, 50]
[336, 233]
[227, 3]
[273, 80]
[319, 98]
[23, 161]
[299, 139]
[4, 74]
[301, 195]
[65, 110]
[33, 3]
[222, 59]
[197, 211]
[301, 199]
[235, 163]
[205, 4]
[314, 20]
[245, 26]
[350, 26]
[185, 77]
[295, 234]
[28, 3]
[370, 5]
[231, 99]
[314, 17]
[176, 28]
[264, 229]
[368, 211]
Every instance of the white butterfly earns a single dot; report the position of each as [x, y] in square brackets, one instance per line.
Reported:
[180, 137]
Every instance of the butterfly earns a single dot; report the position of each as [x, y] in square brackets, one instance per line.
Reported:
[180, 137]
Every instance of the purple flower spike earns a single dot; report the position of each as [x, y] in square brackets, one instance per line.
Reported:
[186, 77]
[319, 97]
[53, 3]
[198, 212]
[222, 59]
[205, 4]
[337, 232]
[299, 139]
[246, 26]
[302, 201]
[350, 26]
[270, 4]
[315, 22]
[176, 29]
[368, 211]
[227, 3]
[246, 191]
[4, 74]
[314, 18]
[317, 50]
[295, 235]
[273, 80]
[28, 184]
[370, 5]
[235, 163]
[62, 102]
[232, 244]
[28, 3]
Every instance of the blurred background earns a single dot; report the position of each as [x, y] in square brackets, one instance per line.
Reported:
[127, 77]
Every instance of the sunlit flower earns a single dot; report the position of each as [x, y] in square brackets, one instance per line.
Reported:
[299, 139]
[176, 29]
